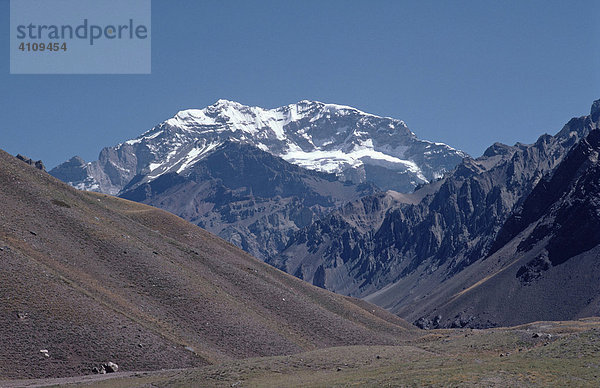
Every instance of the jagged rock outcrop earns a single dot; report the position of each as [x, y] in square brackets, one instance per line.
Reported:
[545, 263]
[432, 235]
[37, 164]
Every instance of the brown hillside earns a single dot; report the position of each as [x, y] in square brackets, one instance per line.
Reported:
[93, 278]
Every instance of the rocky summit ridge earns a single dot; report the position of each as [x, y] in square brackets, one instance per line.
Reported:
[330, 138]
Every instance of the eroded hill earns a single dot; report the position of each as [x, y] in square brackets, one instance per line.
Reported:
[92, 278]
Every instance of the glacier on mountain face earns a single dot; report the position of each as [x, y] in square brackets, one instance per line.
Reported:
[332, 138]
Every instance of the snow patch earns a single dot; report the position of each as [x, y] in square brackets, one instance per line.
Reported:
[195, 155]
[331, 137]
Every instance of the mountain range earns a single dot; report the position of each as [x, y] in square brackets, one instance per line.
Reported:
[90, 281]
[255, 176]
[433, 254]
[330, 138]
[415, 254]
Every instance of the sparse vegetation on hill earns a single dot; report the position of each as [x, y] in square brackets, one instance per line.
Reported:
[92, 278]
[556, 354]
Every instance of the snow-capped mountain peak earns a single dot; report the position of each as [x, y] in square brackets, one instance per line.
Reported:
[339, 139]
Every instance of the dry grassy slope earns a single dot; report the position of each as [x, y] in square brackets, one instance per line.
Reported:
[93, 278]
[564, 354]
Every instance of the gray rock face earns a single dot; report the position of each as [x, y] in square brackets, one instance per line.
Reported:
[73, 170]
[296, 163]
[400, 252]
[247, 196]
[329, 138]
[545, 261]
[595, 111]
[109, 174]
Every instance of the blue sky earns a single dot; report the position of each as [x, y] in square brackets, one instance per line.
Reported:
[467, 73]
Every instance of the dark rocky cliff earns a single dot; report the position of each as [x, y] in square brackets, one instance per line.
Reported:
[432, 235]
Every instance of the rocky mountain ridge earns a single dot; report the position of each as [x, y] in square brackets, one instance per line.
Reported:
[545, 261]
[331, 138]
[247, 196]
[396, 252]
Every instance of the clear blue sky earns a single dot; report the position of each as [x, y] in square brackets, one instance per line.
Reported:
[467, 73]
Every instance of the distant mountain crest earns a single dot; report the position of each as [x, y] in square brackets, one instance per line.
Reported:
[413, 253]
[331, 138]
